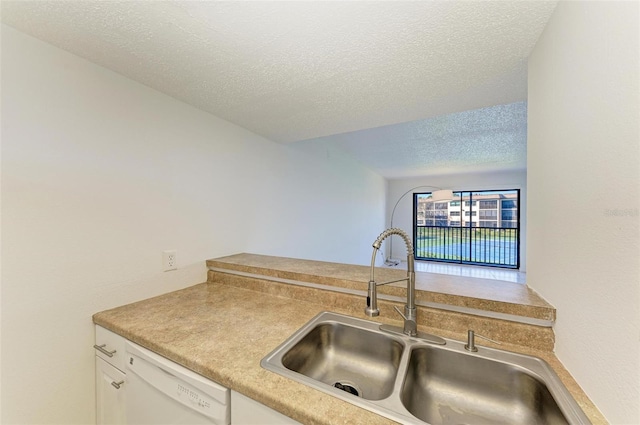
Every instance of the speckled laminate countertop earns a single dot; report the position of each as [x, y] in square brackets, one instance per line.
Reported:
[222, 332]
[483, 294]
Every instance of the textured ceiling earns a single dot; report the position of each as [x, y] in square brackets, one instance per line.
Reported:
[481, 140]
[292, 71]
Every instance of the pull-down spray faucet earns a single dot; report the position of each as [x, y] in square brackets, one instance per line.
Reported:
[409, 316]
[410, 326]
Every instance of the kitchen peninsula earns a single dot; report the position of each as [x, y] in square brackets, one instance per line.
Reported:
[250, 303]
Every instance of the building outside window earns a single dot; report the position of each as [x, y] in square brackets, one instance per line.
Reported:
[476, 227]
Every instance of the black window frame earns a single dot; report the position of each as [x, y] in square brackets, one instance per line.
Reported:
[507, 237]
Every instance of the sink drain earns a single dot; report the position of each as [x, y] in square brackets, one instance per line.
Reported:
[347, 387]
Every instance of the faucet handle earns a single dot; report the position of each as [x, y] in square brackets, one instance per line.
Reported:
[399, 312]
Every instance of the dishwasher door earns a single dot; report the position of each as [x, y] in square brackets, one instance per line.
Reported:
[160, 391]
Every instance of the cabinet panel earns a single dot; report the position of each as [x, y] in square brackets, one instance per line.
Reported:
[110, 400]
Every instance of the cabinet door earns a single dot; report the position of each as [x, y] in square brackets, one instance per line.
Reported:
[110, 400]
[246, 411]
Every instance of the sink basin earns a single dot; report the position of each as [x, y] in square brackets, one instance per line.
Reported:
[444, 387]
[413, 382]
[356, 360]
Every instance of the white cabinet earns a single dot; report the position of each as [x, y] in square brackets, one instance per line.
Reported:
[110, 378]
[246, 411]
[110, 394]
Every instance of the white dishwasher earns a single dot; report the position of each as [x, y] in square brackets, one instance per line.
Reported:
[160, 391]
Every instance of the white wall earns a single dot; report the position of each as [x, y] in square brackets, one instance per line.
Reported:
[584, 187]
[403, 218]
[99, 175]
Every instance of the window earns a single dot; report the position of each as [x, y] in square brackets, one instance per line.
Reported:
[509, 215]
[491, 204]
[509, 204]
[488, 214]
[488, 224]
[476, 227]
[442, 205]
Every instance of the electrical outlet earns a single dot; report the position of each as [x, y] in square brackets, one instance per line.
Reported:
[169, 260]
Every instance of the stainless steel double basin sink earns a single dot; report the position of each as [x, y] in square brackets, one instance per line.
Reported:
[411, 381]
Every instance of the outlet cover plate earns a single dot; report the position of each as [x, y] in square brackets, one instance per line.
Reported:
[169, 260]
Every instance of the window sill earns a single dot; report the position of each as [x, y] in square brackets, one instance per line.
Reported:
[465, 270]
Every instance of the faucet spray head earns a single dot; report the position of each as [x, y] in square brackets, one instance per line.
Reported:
[372, 309]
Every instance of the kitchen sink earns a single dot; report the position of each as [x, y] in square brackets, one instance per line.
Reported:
[349, 358]
[444, 387]
[413, 382]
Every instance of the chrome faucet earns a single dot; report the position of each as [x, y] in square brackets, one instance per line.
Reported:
[409, 316]
[410, 326]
